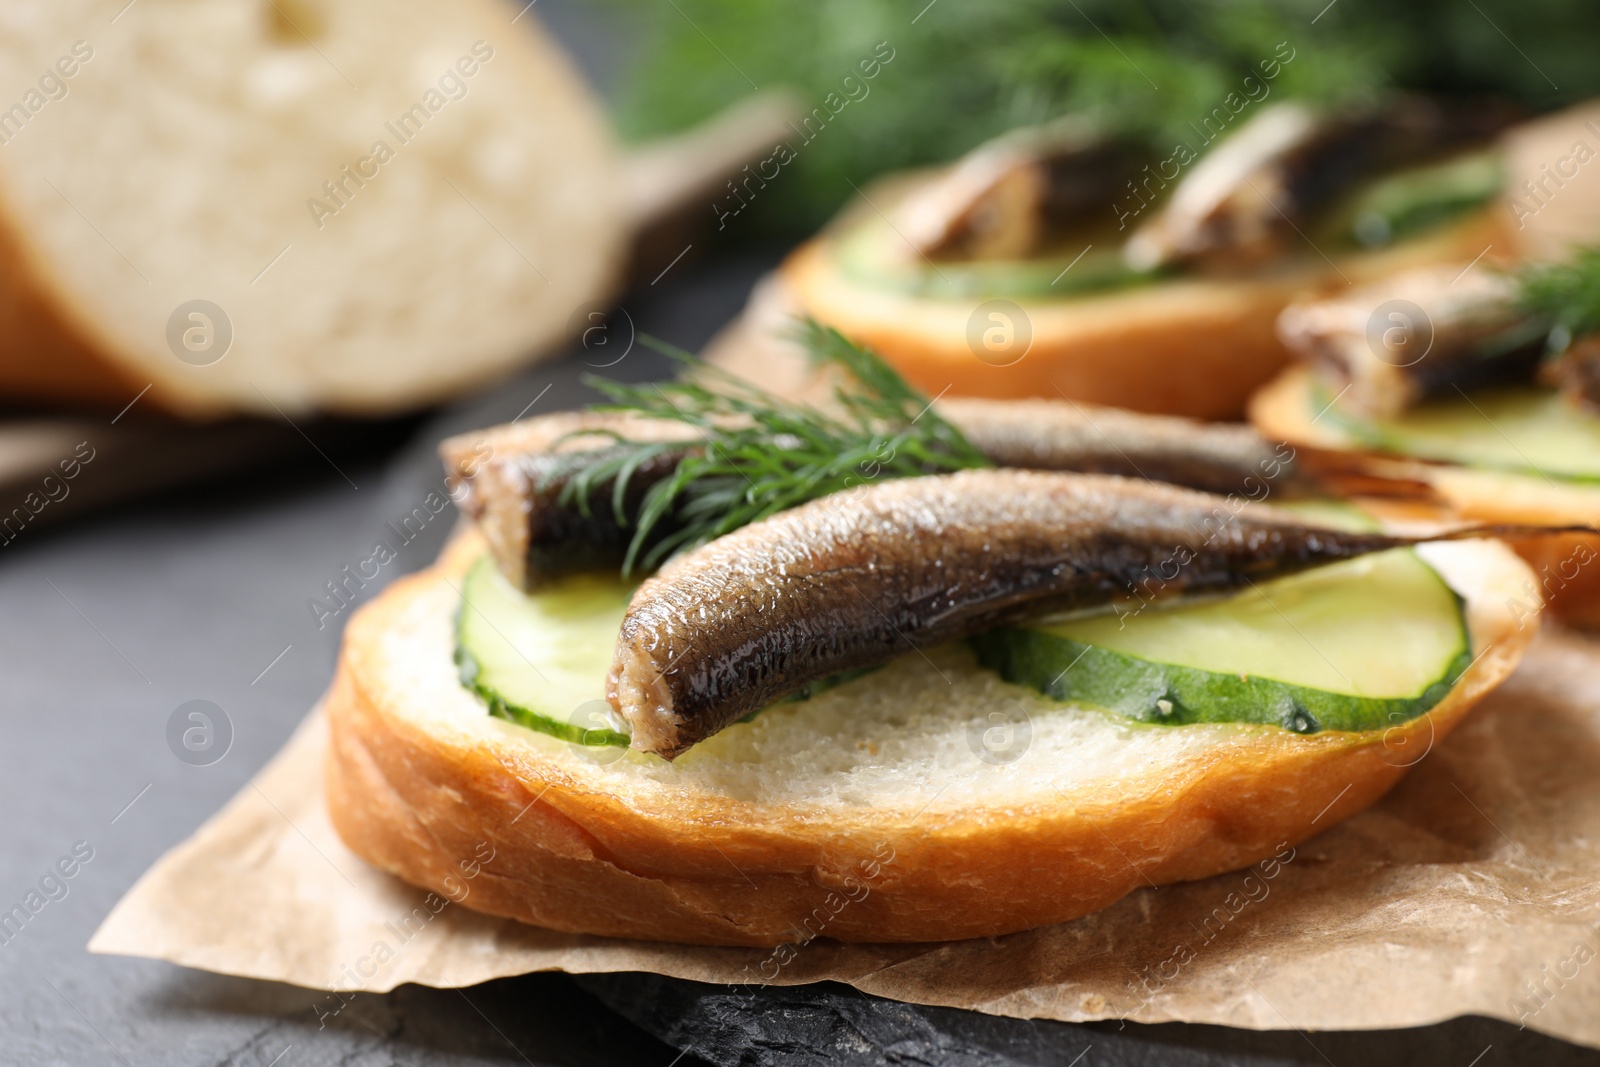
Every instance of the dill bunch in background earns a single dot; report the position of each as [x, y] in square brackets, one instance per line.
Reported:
[967, 70]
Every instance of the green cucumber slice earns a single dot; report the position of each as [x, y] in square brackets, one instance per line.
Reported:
[1360, 645]
[1092, 265]
[1524, 430]
[1418, 199]
[541, 659]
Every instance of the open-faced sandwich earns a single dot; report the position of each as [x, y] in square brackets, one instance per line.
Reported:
[1062, 259]
[1482, 388]
[710, 666]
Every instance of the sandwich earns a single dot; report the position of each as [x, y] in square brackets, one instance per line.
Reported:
[711, 666]
[1479, 390]
[1064, 260]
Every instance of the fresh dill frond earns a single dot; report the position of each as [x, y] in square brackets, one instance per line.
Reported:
[754, 454]
[1563, 299]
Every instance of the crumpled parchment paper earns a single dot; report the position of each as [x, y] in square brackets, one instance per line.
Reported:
[1472, 888]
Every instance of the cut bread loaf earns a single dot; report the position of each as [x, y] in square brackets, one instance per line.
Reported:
[1566, 570]
[863, 814]
[388, 201]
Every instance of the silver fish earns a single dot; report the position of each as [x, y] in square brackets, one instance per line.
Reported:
[515, 492]
[855, 579]
[1421, 334]
[1242, 203]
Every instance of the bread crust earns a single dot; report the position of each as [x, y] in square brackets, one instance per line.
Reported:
[1566, 569]
[416, 798]
[1195, 346]
[51, 355]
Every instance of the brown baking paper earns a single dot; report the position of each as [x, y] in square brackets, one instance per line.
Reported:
[1470, 889]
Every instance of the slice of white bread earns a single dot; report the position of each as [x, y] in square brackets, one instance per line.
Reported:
[1566, 568]
[166, 151]
[863, 814]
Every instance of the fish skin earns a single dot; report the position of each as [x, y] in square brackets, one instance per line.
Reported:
[515, 493]
[1241, 204]
[858, 578]
[1009, 196]
[1468, 335]
[1066, 435]
[509, 480]
[1576, 372]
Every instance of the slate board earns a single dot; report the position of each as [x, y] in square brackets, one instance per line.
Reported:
[835, 1025]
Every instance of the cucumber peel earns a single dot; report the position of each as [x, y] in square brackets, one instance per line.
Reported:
[1170, 695]
[1417, 199]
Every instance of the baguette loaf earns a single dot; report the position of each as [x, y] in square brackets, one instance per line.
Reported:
[285, 205]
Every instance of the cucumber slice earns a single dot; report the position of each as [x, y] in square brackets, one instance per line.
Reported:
[1418, 199]
[541, 659]
[867, 255]
[1524, 430]
[1360, 645]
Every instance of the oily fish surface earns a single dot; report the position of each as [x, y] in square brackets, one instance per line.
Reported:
[902, 740]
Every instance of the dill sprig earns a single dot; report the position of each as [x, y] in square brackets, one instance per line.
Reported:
[758, 454]
[1562, 300]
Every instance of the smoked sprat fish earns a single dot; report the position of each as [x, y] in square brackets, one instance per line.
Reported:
[1242, 203]
[858, 578]
[514, 478]
[1576, 372]
[1067, 435]
[1419, 335]
[509, 479]
[1008, 197]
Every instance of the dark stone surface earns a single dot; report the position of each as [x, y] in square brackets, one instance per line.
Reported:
[800, 1026]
